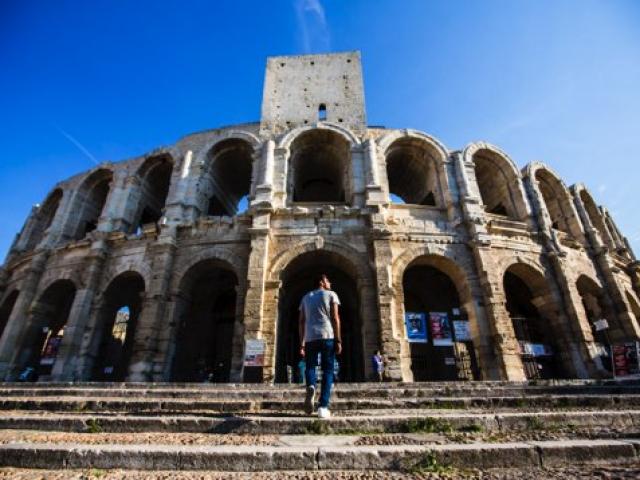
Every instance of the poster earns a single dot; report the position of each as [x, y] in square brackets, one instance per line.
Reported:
[440, 329]
[254, 353]
[625, 359]
[416, 324]
[50, 351]
[461, 330]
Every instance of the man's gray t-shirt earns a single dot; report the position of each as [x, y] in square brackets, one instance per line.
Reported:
[316, 306]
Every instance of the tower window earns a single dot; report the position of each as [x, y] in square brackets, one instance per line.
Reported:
[322, 112]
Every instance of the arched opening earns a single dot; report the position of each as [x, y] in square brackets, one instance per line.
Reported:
[599, 315]
[322, 112]
[120, 309]
[319, 167]
[412, 172]
[227, 183]
[49, 317]
[437, 323]
[496, 184]
[155, 180]
[6, 308]
[89, 202]
[207, 312]
[557, 201]
[44, 218]
[300, 277]
[595, 217]
[531, 309]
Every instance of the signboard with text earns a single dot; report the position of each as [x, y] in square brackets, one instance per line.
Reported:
[440, 329]
[416, 324]
[254, 353]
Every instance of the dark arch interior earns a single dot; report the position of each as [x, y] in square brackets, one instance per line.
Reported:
[6, 309]
[118, 319]
[45, 333]
[429, 290]
[530, 326]
[412, 174]
[90, 201]
[596, 308]
[555, 198]
[494, 185]
[207, 320]
[44, 218]
[320, 165]
[156, 179]
[229, 179]
[299, 278]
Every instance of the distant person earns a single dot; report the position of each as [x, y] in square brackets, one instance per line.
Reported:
[319, 326]
[378, 365]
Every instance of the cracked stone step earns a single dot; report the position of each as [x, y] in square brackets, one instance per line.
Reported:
[379, 423]
[343, 457]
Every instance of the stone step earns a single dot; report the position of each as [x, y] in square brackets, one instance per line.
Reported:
[347, 423]
[295, 403]
[317, 453]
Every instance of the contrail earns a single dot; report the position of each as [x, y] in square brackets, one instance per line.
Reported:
[78, 145]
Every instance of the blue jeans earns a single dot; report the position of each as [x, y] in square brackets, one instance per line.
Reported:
[327, 352]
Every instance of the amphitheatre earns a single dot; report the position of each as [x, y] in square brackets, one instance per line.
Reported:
[188, 263]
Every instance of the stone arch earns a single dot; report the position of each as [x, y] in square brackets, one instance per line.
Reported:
[226, 258]
[449, 292]
[89, 202]
[498, 181]
[148, 198]
[207, 325]
[117, 269]
[119, 308]
[415, 167]
[634, 305]
[350, 137]
[43, 218]
[296, 274]
[556, 198]
[6, 307]
[593, 217]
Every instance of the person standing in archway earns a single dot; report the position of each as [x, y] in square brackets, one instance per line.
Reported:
[319, 327]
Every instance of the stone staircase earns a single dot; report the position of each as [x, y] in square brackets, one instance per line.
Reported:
[386, 429]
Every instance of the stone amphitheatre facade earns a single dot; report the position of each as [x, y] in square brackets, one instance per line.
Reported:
[211, 242]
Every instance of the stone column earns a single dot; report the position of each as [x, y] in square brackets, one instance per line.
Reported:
[254, 298]
[17, 326]
[374, 193]
[123, 194]
[68, 366]
[280, 176]
[393, 344]
[264, 188]
[151, 339]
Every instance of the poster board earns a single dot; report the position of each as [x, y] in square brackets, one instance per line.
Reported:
[416, 324]
[254, 353]
[50, 351]
[625, 359]
[440, 329]
[461, 330]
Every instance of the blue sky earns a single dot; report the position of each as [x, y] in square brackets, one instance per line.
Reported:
[555, 81]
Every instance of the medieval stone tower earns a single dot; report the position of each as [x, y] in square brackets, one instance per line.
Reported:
[191, 260]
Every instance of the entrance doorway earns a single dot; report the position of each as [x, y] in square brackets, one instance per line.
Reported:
[207, 318]
[299, 278]
[441, 352]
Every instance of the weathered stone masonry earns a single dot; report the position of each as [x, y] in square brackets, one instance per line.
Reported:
[400, 223]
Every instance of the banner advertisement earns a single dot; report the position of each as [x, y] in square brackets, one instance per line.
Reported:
[535, 349]
[50, 351]
[440, 329]
[416, 324]
[461, 330]
[254, 353]
[625, 359]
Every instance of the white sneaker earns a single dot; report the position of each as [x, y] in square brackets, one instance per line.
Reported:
[324, 413]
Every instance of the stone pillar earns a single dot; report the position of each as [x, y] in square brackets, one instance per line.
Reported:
[254, 298]
[68, 366]
[264, 189]
[393, 343]
[374, 193]
[280, 177]
[151, 343]
[17, 326]
[119, 209]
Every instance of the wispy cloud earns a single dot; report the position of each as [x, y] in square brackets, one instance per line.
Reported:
[312, 25]
[78, 145]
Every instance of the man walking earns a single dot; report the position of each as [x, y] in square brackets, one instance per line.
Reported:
[319, 327]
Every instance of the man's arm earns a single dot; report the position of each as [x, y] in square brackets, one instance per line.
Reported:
[301, 330]
[335, 323]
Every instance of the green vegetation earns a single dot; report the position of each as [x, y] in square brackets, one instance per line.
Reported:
[427, 425]
[426, 463]
[93, 426]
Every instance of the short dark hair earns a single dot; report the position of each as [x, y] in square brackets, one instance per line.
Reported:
[321, 277]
